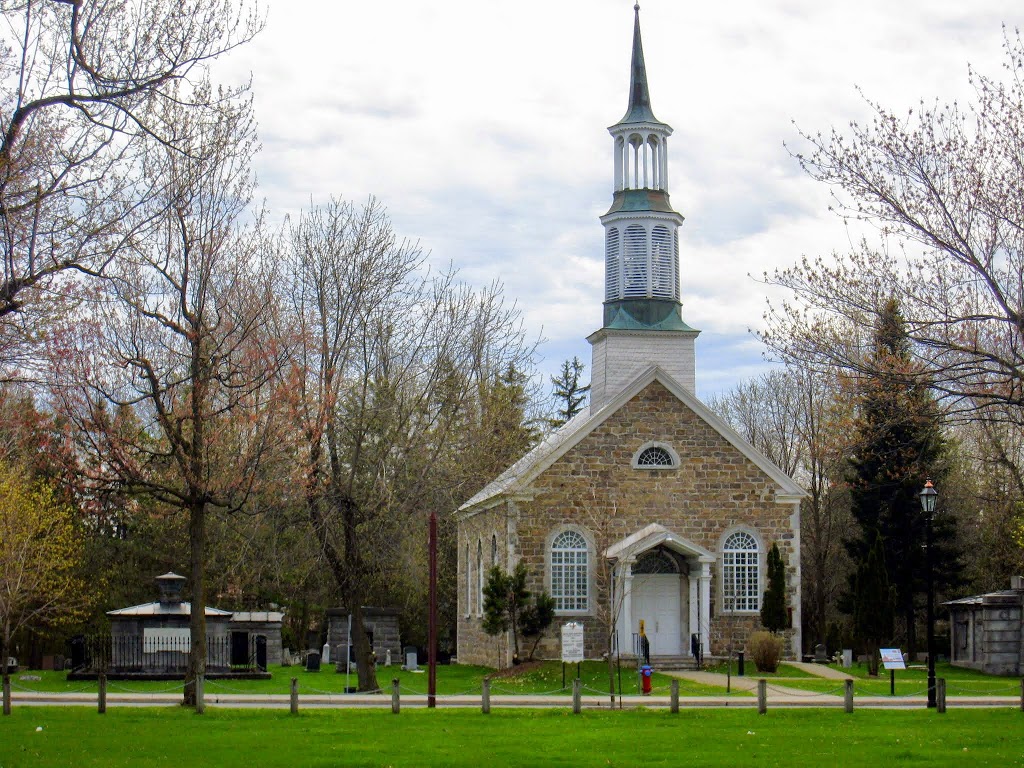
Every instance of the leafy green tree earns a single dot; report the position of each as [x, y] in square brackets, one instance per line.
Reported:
[773, 608]
[509, 605]
[898, 444]
[569, 391]
[40, 555]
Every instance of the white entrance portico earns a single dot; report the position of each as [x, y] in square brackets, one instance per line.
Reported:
[665, 581]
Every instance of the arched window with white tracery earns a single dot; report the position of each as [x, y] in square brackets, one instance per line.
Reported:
[741, 582]
[570, 575]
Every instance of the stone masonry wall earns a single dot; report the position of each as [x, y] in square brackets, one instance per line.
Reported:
[485, 533]
[594, 488]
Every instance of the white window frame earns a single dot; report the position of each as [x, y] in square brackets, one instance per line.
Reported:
[479, 578]
[741, 572]
[469, 583]
[635, 463]
[570, 572]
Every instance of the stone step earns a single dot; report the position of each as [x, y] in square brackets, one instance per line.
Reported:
[673, 662]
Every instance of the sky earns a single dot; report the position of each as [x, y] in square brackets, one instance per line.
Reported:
[482, 127]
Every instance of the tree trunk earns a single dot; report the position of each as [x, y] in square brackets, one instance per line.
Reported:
[366, 663]
[366, 667]
[197, 616]
[872, 650]
[611, 670]
[910, 619]
[5, 643]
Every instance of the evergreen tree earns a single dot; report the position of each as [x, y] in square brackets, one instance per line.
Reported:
[872, 603]
[507, 432]
[568, 391]
[773, 608]
[509, 605]
[898, 445]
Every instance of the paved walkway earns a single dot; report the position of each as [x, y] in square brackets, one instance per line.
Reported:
[749, 682]
[741, 694]
[777, 697]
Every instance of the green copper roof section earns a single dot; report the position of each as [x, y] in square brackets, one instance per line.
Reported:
[645, 315]
[639, 110]
[628, 200]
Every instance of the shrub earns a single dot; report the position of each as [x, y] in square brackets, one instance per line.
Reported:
[774, 617]
[765, 649]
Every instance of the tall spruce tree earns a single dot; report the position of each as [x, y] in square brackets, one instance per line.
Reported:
[898, 445]
[569, 391]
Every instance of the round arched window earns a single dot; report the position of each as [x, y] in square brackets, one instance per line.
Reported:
[655, 456]
[741, 583]
[570, 583]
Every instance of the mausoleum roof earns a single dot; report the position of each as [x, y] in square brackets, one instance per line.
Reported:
[164, 609]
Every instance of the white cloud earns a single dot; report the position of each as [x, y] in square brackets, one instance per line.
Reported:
[481, 126]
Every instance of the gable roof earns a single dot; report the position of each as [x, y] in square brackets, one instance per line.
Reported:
[652, 536]
[518, 477]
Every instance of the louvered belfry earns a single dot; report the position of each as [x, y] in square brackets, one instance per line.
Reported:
[643, 321]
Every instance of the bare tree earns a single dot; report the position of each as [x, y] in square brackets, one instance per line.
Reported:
[942, 185]
[182, 337]
[86, 87]
[386, 361]
[801, 420]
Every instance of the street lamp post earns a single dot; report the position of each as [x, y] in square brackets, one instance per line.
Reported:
[928, 496]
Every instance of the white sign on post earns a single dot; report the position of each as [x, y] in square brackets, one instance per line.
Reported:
[572, 643]
[892, 658]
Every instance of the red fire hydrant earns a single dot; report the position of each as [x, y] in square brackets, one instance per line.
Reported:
[645, 677]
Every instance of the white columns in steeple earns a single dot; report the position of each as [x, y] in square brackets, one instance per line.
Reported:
[641, 158]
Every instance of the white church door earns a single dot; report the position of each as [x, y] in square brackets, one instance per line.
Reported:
[656, 600]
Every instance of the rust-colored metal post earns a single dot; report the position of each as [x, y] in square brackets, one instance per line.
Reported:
[432, 610]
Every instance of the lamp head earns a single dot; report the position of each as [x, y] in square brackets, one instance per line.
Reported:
[928, 495]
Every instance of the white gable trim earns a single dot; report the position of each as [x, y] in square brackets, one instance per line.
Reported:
[650, 537]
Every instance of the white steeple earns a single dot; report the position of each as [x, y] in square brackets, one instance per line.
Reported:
[643, 321]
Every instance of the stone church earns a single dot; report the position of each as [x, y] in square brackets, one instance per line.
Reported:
[645, 507]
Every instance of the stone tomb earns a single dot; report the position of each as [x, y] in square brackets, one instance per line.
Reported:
[381, 627]
[153, 639]
[987, 631]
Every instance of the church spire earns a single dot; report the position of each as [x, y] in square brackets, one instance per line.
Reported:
[643, 320]
[641, 227]
[639, 109]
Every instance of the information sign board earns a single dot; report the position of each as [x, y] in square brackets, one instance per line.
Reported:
[572, 643]
[892, 658]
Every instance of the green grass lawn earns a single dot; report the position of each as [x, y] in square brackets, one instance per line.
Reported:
[45, 737]
[451, 680]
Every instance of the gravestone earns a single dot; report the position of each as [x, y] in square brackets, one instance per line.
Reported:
[847, 657]
[410, 658]
[326, 653]
[312, 661]
[820, 654]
